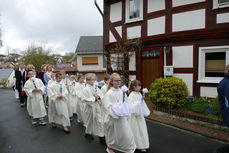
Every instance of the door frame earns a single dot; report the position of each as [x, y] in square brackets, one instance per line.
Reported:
[140, 60]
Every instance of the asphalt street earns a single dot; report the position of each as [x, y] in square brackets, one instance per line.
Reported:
[18, 135]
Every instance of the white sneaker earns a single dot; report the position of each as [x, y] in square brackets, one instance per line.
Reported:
[143, 150]
[41, 122]
[34, 122]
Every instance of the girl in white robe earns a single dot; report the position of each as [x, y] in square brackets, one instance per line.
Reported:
[117, 131]
[137, 120]
[80, 85]
[59, 110]
[104, 87]
[66, 81]
[72, 93]
[93, 121]
[35, 89]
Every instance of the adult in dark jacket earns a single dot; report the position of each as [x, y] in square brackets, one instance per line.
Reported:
[223, 95]
[20, 75]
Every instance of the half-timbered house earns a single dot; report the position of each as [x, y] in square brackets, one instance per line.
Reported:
[188, 39]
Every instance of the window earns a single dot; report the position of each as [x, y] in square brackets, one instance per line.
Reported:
[212, 62]
[134, 10]
[223, 2]
[220, 4]
[151, 53]
[89, 60]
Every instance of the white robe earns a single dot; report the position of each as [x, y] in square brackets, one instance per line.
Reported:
[137, 122]
[58, 110]
[93, 114]
[80, 106]
[66, 81]
[117, 130]
[104, 89]
[72, 97]
[35, 104]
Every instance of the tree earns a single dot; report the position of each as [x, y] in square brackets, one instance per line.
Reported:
[38, 54]
[122, 59]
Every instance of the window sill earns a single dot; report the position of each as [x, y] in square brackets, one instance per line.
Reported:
[220, 6]
[133, 20]
[210, 81]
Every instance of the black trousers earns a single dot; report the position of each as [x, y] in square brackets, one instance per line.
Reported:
[22, 98]
[224, 149]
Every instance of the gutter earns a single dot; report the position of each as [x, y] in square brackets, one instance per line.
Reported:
[97, 6]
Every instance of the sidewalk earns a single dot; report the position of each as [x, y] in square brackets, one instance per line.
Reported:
[221, 134]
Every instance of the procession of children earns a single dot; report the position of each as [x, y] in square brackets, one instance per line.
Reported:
[113, 113]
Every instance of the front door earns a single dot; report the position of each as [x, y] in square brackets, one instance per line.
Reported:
[151, 66]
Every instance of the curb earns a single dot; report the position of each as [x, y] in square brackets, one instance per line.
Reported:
[186, 129]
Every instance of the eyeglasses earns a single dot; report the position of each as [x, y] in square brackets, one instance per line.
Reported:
[117, 80]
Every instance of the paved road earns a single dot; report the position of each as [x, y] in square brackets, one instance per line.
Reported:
[17, 135]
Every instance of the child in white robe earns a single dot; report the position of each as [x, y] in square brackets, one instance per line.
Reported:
[91, 97]
[137, 120]
[72, 93]
[106, 80]
[58, 104]
[35, 89]
[117, 131]
[80, 85]
[66, 81]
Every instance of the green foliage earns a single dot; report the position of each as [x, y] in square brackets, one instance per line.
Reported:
[4, 82]
[38, 55]
[206, 106]
[169, 92]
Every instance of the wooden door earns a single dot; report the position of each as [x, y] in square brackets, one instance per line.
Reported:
[150, 68]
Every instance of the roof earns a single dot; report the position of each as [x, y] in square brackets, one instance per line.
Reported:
[90, 45]
[5, 73]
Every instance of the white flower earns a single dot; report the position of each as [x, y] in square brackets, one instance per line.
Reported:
[145, 90]
[96, 84]
[124, 88]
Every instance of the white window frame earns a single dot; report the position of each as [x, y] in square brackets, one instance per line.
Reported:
[216, 5]
[201, 71]
[128, 20]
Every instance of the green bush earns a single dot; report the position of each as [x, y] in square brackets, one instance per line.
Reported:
[169, 92]
[206, 106]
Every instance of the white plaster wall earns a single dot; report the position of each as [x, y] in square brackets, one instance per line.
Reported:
[82, 67]
[190, 20]
[116, 12]
[222, 18]
[188, 79]
[111, 37]
[113, 59]
[185, 2]
[119, 30]
[132, 62]
[156, 26]
[183, 56]
[11, 79]
[134, 32]
[208, 92]
[155, 5]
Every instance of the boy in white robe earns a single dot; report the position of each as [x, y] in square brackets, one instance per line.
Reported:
[106, 80]
[117, 131]
[80, 85]
[66, 81]
[59, 111]
[35, 89]
[91, 97]
[137, 120]
[72, 93]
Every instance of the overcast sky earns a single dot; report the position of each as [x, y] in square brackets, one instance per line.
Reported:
[58, 23]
